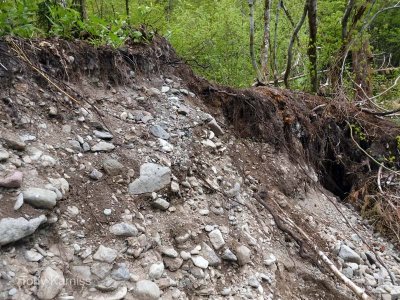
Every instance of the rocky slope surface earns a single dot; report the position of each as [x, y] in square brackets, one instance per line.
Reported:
[138, 192]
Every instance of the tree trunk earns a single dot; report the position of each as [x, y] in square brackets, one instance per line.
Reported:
[361, 58]
[345, 19]
[275, 49]
[80, 6]
[312, 44]
[290, 48]
[127, 9]
[252, 52]
[266, 42]
[338, 64]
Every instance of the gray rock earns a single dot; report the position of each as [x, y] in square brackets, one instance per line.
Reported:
[253, 282]
[371, 257]
[170, 252]
[348, 272]
[107, 285]
[121, 273]
[349, 255]
[19, 202]
[12, 181]
[124, 229]
[216, 239]
[103, 147]
[226, 291]
[4, 155]
[156, 270]
[12, 292]
[183, 110]
[96, 174]
[75, 145]
[159, 132]
[228, 255]
[153, 92]
[104, 135]
[82, 273]
[153, 177]
[12, 230]
[117, 294]
[213, 125]
[105, 254]
[209, 254]
[51, 283]
[60, 184]
[161, 203]
[53, 111]
[173, 264]
[185, 255]
[165, 89]
[200, 261]
[175, 187]
[101, 269]
[243, 255]
[85, 147]
[271, 259]
[112, 167]
[11, 141]
[165, 146]
[40, 198]
[197, 272]
[146, 290]
[141, 116]
[32, 256]
[182, 238]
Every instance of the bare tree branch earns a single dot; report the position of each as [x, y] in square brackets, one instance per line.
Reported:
[290, 48]
[266, 41]
[345, 19]
[252, 52]
[312, 44]
[275, 49]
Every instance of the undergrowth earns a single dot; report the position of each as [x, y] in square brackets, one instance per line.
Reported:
[30, 20]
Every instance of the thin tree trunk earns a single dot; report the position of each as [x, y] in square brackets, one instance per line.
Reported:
[275, 49]
[312, 44]
[252, 52]
[340, 60]
[361, 58]
[345, 19]
[287, 13]
[127, 10]
[290, 48]
[266, 41]
[80, 6]
[83, 10]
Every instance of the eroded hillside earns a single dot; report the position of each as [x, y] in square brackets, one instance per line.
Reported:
[124, 176]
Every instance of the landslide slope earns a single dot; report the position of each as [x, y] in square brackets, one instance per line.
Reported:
[124, 176]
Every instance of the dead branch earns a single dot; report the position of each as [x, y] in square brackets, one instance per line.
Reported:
[359, 292]
[388, 89]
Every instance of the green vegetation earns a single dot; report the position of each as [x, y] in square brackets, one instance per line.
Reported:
[213, 37]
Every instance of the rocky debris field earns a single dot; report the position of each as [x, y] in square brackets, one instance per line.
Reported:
[140, 193]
